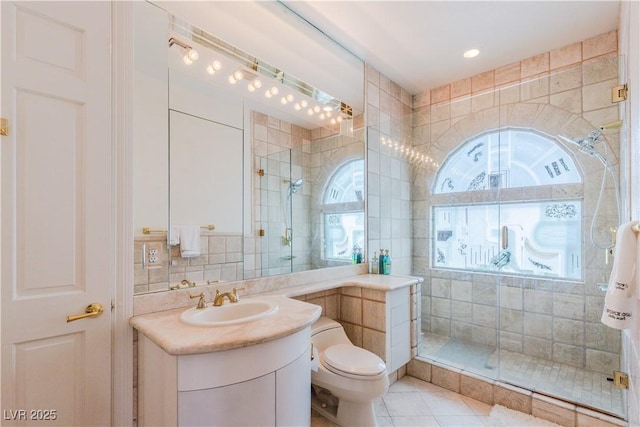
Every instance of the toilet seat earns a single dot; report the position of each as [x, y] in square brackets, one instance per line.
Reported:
[351, 361]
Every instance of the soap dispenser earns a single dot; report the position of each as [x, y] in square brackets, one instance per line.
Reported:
[374, 263]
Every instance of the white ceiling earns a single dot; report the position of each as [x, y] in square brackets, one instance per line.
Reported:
[419, 44]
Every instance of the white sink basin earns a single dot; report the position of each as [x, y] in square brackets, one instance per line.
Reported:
[229, 313]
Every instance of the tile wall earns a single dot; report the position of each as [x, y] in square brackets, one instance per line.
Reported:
[565, 91]
[220, 260]
[389, 207]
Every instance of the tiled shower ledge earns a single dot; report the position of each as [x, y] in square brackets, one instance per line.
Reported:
[499, 393]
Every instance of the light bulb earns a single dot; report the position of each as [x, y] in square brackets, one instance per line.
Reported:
[289, 98]
[328, 113]
[327, 108]
[339, 119]
[274, 90]
[333, 121]
[283, 100]
[310, 111]
[267, 93]
[250, 87]
[316, 109]
[471, 53]
[193, 54]
[304, 103]
[232, 79]
[187, 60]
[238, 75]
[210, 69]
[257, 83]
[217, 65]
[321, 116]
[297, 107]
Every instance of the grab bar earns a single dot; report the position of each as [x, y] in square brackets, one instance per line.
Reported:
[504, 237]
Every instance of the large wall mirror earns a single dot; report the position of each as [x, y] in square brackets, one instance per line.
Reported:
[249, 155]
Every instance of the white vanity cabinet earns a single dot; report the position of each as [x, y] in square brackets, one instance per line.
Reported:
[262, 384]
[398, 328]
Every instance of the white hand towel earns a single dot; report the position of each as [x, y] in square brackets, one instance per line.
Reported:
[618, 301]
[189, 241]
[174, 235]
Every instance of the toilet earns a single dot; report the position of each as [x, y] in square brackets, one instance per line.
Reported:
[348, 378]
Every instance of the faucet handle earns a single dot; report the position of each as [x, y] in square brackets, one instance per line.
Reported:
[236, 297]
[201, 302]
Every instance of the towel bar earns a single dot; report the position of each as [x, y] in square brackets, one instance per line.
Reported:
[148, 230]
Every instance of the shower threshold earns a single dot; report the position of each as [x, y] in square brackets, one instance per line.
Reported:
[577, 385]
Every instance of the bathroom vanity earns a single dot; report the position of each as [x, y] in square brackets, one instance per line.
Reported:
[258, 372]
[226, 375]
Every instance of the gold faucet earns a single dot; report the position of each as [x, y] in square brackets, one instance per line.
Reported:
[201, 302]
[232, 296]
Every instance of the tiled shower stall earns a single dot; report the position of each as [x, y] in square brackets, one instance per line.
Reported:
[536, 327]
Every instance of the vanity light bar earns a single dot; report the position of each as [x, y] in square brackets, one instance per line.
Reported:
[201, 37]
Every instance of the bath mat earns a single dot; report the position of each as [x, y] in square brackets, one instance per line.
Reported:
[501, 416]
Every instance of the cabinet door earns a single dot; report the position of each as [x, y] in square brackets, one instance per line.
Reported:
[398, 328]
[293, 392]
[249, 403]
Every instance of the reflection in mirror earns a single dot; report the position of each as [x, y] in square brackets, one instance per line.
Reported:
[227, 116]
[299, 190]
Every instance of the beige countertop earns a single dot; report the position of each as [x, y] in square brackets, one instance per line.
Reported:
[369, 281]
[166, 329]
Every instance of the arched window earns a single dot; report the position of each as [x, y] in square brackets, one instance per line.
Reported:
[343, 211]
[533, 233]
[507, 158]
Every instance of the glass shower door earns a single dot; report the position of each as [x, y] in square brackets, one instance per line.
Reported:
[550, 337]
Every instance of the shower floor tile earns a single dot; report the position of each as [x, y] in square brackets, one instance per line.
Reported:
[586, 388]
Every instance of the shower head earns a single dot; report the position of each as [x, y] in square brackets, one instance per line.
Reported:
[587, 145]
[295, 185]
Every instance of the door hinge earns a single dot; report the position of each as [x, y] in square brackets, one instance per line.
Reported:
[113, 305]
[619, 93]
[620, 379]
[4, 126]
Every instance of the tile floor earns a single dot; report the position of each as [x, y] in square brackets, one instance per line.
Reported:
[569, 383]
[412, 402]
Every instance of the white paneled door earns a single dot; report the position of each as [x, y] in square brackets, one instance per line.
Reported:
[57, 213]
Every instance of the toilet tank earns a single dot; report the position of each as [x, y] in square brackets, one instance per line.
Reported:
[326, 332]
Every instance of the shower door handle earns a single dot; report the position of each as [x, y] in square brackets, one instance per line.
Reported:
[504, 237]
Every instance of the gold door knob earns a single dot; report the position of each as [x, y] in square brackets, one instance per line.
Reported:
[92, 310]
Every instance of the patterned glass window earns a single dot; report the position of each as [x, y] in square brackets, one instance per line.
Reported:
[506, 159]
[536, 237]
[531, 238]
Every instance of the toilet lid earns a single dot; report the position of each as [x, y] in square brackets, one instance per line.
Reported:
[353, 360]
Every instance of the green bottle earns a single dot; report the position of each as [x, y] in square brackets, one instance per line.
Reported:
[387, 262]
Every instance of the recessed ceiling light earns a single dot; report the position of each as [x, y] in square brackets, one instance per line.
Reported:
[471, 53]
